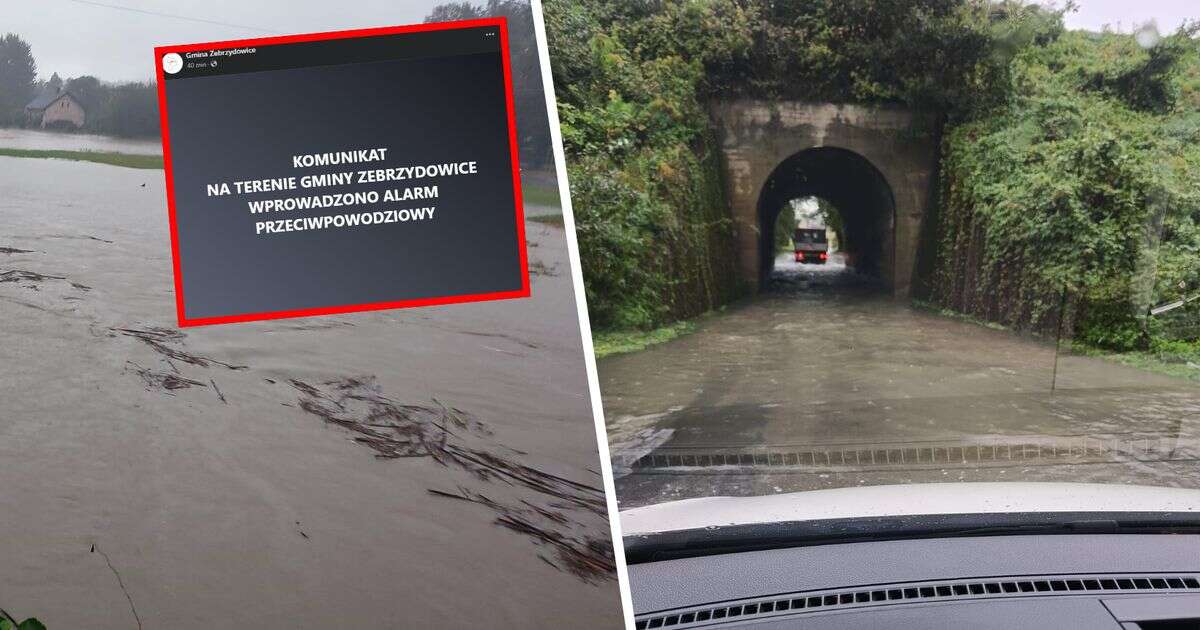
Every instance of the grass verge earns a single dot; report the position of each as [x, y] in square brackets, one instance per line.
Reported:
[548, 219]
[1169, 364]
[101, 157]
[962, 317]
[540, 195]
[622, 341]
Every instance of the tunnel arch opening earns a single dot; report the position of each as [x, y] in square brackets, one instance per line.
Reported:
[851, 184]
[808, 212]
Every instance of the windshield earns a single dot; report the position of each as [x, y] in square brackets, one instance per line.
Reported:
[1011, 287]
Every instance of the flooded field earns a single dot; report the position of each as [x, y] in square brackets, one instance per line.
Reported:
[62, 141]
[430, 467]
[825, 381]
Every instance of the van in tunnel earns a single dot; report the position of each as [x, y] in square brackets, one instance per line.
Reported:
[811, 245]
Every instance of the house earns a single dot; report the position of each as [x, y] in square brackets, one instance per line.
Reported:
[52, 108]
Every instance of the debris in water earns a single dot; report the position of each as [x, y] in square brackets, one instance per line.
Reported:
[158, 338]
[14, 250]
[539, 268]
[560, 512]
[18, 275]
[84, 237]
[589, 558]
[162, 380]
[520, 342]
[121, 583]
[165, 334]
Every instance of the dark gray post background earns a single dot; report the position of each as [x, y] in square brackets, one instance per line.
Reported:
[425, 111]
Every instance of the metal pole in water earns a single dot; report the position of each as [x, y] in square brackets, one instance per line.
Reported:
[1062, 314]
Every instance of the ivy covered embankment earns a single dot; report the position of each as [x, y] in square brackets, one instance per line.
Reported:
[1078, 197]
[631, 80]
[654, 232]
[1068, 176]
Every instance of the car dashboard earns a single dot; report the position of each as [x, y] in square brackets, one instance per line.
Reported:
[1062, 581]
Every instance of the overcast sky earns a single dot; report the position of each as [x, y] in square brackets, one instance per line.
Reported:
[1126, 15]
[76, 37]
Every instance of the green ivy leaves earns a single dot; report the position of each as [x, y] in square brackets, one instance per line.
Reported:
[28, 624]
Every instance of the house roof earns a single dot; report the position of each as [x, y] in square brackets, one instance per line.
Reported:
[47, 97]
[43, 100]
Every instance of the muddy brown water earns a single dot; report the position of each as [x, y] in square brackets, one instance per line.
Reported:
[67, 141]
[430, 467]
[825, 381]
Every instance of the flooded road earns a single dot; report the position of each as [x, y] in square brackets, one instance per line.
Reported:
[62, 141]
[824, 381]
[431, 467]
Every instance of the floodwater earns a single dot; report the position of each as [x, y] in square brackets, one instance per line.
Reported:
[431, 467]
[63, 141]
[825, 381]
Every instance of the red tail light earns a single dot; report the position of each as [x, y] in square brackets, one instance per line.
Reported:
[824, 256]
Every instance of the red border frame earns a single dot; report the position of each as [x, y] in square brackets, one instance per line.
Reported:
[524, 291]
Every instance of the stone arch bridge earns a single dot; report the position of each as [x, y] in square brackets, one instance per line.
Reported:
[877, 165]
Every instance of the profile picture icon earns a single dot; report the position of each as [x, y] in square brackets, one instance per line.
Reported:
[172, 63]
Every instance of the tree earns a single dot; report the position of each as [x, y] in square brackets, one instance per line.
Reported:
[17, 73]
[453, 11]
[528, 92]
[55, 83]
[785, 227]
[87, 89]
[833, 220]
[126, 109]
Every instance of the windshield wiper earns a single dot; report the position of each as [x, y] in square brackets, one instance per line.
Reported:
[761, 536]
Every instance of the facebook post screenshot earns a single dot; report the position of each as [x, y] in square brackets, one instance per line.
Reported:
[342, 171]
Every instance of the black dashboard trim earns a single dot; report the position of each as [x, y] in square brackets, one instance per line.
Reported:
[691, 543]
